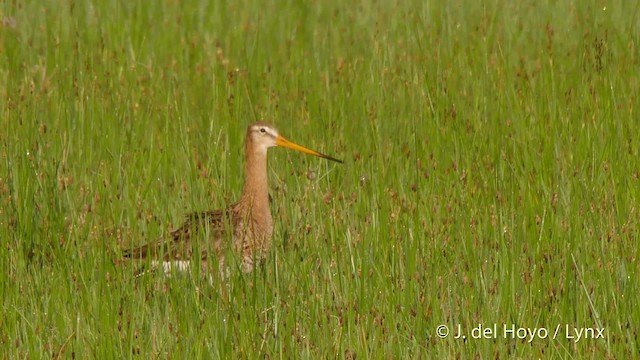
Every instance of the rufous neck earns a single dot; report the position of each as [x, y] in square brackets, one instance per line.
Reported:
[256, 186]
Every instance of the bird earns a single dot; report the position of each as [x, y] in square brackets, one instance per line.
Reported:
[247, 224]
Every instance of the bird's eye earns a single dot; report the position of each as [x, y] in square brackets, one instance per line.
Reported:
[263, 130]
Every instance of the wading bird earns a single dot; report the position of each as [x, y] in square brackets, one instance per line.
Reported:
[246, 223]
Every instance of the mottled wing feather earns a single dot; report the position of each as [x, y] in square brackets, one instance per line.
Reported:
[188, 238]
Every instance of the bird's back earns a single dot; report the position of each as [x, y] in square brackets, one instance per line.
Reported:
[203, 234]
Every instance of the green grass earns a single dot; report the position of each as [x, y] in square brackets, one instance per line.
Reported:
[491, 176]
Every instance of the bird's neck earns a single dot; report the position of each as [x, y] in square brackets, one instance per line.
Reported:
[256, 187]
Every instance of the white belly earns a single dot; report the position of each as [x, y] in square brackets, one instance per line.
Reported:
[169, 266]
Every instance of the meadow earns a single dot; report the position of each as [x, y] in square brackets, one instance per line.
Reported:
[491, 177]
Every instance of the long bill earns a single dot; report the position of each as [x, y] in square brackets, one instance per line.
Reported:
[280, 141]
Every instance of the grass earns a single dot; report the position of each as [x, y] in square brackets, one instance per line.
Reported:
[492, 176]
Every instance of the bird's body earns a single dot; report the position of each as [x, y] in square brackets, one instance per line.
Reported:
[247, 223]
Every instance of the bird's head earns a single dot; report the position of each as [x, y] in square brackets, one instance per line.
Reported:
[263, 136]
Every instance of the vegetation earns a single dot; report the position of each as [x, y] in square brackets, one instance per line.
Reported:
[491, 176]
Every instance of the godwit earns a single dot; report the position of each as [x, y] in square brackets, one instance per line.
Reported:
[247, 223]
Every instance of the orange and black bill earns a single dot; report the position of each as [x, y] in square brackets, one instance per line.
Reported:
[280, 141]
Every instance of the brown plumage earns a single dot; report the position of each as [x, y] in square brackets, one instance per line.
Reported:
[247, 223]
